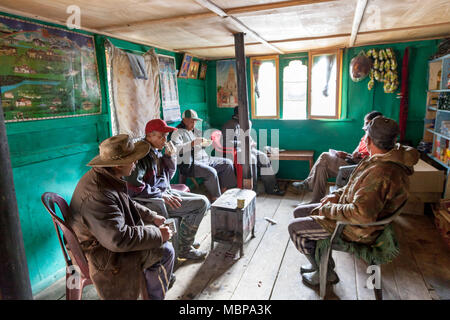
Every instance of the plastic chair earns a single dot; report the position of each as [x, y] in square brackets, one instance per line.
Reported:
[323, 268]
[216, 138]
[70, 241]
[343, 175]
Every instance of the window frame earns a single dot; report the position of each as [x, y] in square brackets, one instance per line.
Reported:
[277, 72]
[338, 52]
[284, 63]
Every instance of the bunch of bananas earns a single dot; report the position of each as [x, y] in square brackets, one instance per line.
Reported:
[384, 69]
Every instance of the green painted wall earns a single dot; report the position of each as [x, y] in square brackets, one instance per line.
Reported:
[343, 134]
[51, 155]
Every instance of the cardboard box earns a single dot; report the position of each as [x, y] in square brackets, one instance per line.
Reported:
[426, 178]
[426, 186]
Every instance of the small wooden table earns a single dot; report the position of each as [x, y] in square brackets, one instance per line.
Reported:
[301, 155]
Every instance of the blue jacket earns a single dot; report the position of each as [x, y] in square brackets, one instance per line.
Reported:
[152, 175]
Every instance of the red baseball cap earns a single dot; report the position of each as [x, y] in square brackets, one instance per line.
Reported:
[158, 125]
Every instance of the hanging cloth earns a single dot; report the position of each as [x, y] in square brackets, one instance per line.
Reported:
[134, 101]
[137, 64]
[403, 116]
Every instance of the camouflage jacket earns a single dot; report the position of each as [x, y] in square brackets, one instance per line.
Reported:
[377, 187]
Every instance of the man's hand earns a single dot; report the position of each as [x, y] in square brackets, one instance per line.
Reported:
[332, 198]
[196, 142]
[166, 233]
[342, 154]
[356, 155]
[172, 200]
[158, 220]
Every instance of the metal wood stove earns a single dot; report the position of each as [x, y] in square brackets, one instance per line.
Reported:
[231, 223]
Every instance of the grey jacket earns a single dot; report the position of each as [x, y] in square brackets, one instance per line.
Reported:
[182, 139]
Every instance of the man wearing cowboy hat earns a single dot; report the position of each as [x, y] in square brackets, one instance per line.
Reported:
[193, 160]
[122, 240]
[149, 184]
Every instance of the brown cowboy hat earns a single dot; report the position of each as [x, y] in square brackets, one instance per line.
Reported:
[119, 150]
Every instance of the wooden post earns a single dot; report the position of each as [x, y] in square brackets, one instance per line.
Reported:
[241, 74]
[14, 278]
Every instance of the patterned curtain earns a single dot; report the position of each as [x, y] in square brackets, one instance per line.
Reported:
[134, 101]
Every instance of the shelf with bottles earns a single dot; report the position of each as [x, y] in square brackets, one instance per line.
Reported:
[439, 75]
[438, 161]
[441, 149]
[438, 134]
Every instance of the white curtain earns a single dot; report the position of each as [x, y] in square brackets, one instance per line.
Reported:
[134, 101]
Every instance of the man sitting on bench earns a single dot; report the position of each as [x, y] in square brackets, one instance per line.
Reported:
[149, 183]
[327, 166]
[376, 189]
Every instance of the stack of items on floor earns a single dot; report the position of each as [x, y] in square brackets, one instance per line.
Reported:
[426, 186]
[442, 220]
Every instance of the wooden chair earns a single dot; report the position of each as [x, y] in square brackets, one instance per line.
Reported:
[323, 268]
[70, 241]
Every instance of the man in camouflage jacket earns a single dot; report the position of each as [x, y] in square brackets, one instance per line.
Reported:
[376, 189]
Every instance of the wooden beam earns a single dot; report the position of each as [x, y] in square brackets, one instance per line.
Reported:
[14, 274]
[208, 14]
[271, 6]
[241, 26]
[359, 14]
[241, 77]
[406, 28]
[340, 35]
[147, 23]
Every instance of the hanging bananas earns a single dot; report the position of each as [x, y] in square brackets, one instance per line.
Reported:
[384, 69]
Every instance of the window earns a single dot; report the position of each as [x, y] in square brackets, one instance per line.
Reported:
[324, 83]
[310, 86]
[295, 82]
[264, 71]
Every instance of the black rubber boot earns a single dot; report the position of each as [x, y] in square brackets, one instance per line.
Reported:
[313, 267]
[312, 279]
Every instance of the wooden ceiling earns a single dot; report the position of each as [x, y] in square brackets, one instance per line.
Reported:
[205, 28]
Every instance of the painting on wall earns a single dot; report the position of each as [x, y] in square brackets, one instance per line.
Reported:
[193, 70]
[184, 70]
[46, 72]
[227, 96]
[203, 68]
[169, 88]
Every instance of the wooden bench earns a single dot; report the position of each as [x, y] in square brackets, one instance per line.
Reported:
[300, 155]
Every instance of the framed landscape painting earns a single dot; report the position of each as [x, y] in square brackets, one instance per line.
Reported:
[46, 72]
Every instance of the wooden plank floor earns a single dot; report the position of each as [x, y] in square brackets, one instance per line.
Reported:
[270, 266]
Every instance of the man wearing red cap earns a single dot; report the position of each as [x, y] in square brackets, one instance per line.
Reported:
[149, 183]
